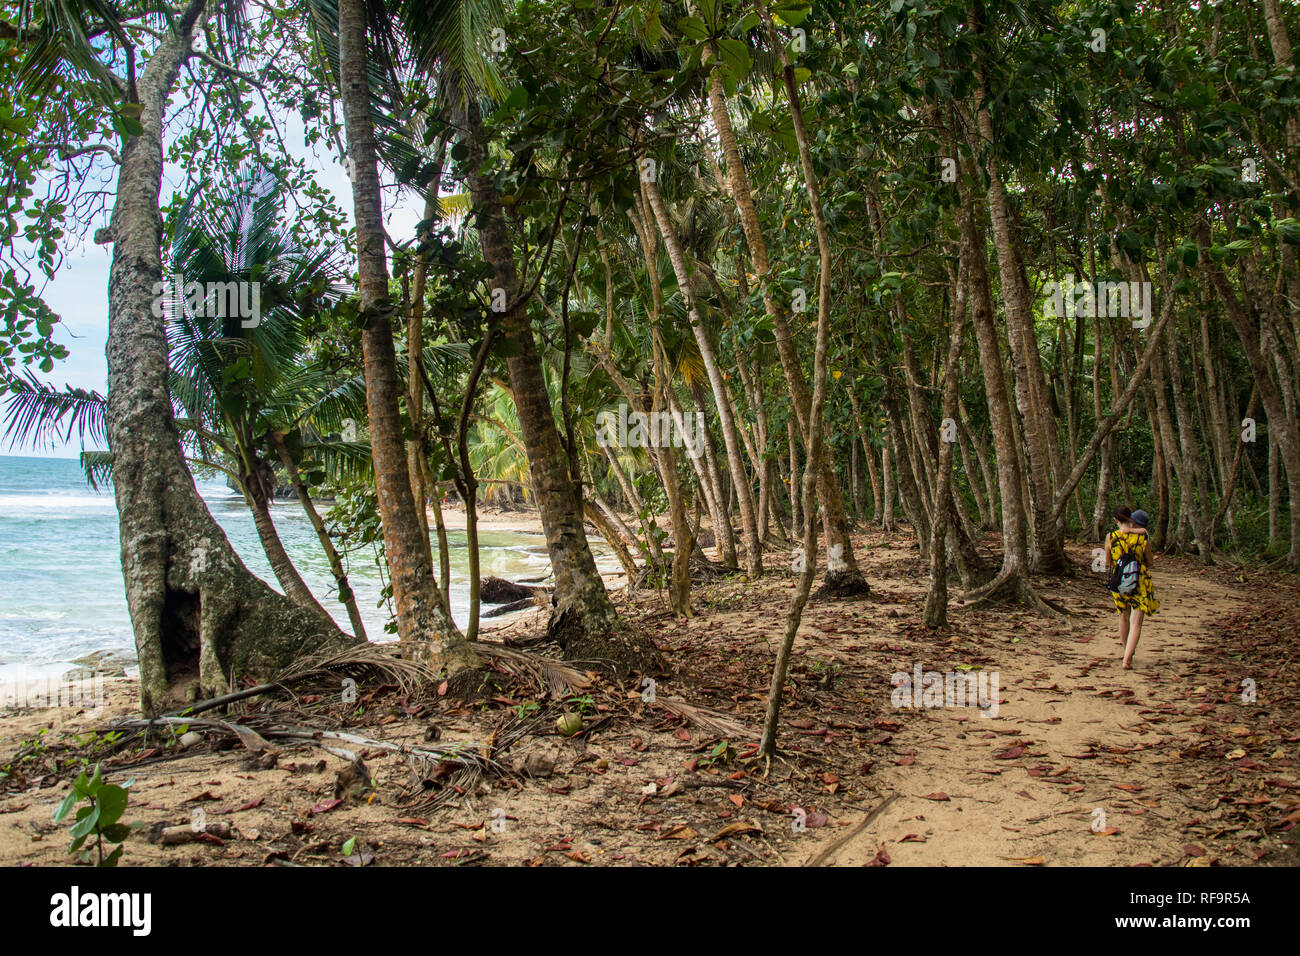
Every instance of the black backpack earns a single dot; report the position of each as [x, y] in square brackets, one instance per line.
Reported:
[1127, 568]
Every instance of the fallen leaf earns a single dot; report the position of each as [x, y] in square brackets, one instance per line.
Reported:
[679, 832]
[734, 829]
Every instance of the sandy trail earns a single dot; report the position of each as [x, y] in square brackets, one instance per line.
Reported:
[1034, 783]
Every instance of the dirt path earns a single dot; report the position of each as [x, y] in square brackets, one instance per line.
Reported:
[1183, 770]
[1079, 745]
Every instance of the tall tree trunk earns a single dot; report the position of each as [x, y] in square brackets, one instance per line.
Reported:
[744, 493]
[935, 612]
[1012, 580]
[583, 620]
[200, 619]
[1031, 388]
[427, 631]
[848, 579]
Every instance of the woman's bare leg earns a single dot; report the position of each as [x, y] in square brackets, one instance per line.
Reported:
[1123, 627]
[1134, 634]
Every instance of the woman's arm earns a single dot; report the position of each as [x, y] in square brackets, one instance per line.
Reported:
[1108, 559]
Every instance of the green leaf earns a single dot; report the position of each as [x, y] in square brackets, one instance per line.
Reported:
[653, 31]
[692, 28]
[735, 56]
[66, 806]
[517, 99]
[112, 804]
[793, 12]
[87, 817]
[349, 846]
[115, 833]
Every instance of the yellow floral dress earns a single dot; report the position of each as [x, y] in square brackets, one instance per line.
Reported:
[1145, 596]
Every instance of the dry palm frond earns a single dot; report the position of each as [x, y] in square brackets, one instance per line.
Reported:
[362, 660]
[547, 674]
[710, 720]
[466, 778]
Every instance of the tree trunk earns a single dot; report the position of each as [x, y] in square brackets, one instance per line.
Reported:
[744, 493]
[1031, 383]
[1012, 580]
[935, 612]
[427, 632]
[255, 482]
[200, 619]
[583, 620]
[848, 579]
[346, 595]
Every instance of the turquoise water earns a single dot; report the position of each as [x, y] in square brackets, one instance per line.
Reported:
[61, 593]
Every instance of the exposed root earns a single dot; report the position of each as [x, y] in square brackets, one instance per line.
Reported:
[1010, 586]
[603, 641]
[840, 585]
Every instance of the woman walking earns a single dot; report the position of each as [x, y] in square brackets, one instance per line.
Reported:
[1128, 552]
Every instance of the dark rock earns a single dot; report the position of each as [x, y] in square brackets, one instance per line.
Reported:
[495, 590]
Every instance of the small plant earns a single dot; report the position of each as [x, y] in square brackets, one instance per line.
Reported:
[586, 704]
[721, 755]
[527, 709]
[104, 805]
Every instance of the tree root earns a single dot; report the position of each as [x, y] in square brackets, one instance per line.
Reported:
[839, 585]
[1010, 586]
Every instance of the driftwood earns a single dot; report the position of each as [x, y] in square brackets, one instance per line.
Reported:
[186, 833]
[495, 590]
[522, 605]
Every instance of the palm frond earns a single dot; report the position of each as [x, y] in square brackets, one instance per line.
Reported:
[41, 415]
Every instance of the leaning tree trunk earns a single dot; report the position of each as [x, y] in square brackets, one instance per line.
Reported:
[255, 483]
[583, 620]
[201, 620]
[847, 579]
[346, 594]
[748, 519]
[427, 632]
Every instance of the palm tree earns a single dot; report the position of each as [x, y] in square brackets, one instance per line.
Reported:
[425, 626]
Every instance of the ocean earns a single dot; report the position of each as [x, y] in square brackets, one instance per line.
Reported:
[61, 591]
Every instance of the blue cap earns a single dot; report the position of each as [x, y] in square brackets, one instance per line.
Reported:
[1140, 518]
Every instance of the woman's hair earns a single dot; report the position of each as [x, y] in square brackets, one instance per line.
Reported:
[1123, 513]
